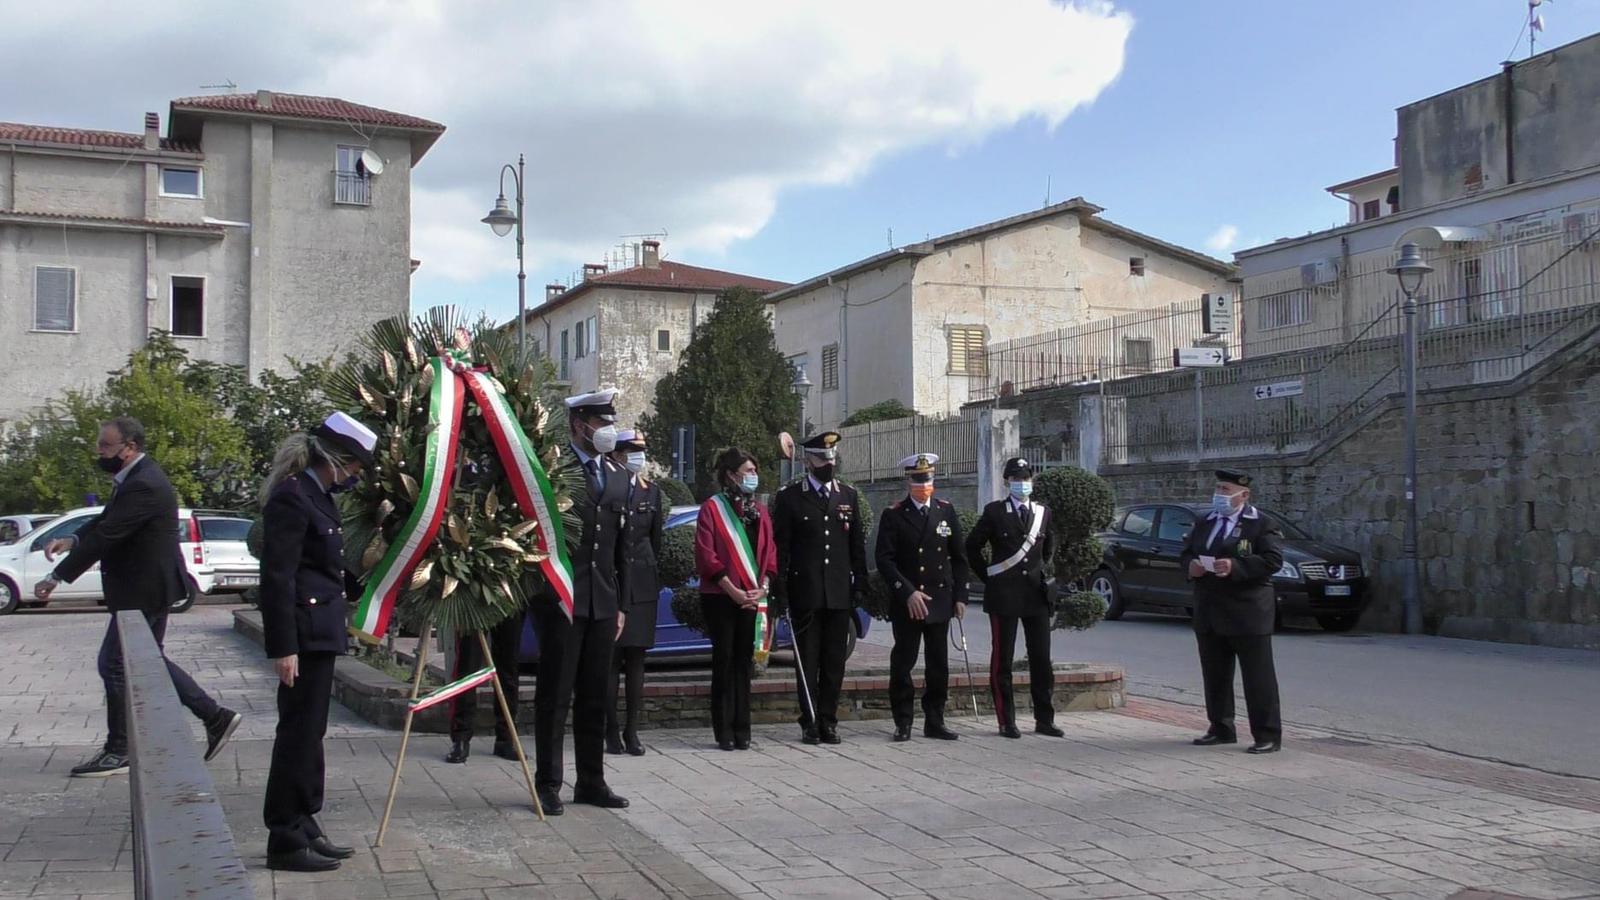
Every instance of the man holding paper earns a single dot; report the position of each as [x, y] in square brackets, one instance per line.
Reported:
[1230, 558]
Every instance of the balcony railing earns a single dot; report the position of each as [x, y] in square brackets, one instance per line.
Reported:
[352, 189]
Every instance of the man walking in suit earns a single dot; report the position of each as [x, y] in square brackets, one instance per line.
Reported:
[575, 657]
[822, 572]
[1230, 558]
[1017, 591]
[922, 558]
[135, 541]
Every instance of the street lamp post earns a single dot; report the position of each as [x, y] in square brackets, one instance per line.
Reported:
[801, 387]
[502, 220]
[1410, 270]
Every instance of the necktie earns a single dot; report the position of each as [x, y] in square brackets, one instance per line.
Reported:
[1025, 513]
[593, 466]
[824, 492]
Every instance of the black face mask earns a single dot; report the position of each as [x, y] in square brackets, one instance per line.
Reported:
[110, 465]
[823, 474]
[349, 484]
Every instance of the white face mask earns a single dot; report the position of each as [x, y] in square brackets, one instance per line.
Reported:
[604, 438]
[635, 461]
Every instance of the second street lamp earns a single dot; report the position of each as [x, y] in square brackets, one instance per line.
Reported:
[502, 220]
[801, 387]
[1410, 270]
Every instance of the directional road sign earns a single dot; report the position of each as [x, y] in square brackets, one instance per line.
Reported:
[1280, 389]
[1199, 356]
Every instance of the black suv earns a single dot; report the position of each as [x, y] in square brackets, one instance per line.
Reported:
[1140, 570]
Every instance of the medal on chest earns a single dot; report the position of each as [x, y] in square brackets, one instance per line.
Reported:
[943, 530]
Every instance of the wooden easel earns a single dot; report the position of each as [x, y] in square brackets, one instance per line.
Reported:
[411, 702]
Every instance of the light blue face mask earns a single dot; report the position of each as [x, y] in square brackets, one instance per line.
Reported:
[750, 483]
[1222, 504]
[1020, 489]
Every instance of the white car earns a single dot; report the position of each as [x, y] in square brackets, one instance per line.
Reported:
[224, 554]
[22, 564]
[12, 528]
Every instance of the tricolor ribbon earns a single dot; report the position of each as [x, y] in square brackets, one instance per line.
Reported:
[529, 483]
[744, 559]
[453, 689]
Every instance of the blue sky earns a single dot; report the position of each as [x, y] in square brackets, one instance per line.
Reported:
[1224, 114]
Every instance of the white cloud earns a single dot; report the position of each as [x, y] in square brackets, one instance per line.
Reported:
[635, 115]
[1225, 238]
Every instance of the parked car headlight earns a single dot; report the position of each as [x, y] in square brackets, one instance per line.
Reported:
[1288, 572]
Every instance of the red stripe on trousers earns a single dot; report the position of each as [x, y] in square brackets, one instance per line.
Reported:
[1000, 706]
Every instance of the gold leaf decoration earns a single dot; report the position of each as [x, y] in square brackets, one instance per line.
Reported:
[505, 588]
[385, 509]
[374, 552]
[413, 355]
[564, 504]
[389, 369]
[370, 399]
[405, 395]
[504, 544]
[524, 527]
[450, 584]
[457, 528]
[425, 380]
[420, 576]
[535, 557]
[491, 503]
[410, 485]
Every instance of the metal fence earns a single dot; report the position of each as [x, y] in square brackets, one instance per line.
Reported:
[876, 448]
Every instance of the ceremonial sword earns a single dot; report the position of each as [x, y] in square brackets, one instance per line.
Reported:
[962, 646]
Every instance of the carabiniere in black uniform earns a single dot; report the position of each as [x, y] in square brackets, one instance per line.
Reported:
[920, 550]
[575, 657]
[822, 571]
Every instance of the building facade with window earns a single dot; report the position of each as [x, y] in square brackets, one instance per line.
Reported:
[261, 227]
[1498, 183]
[627, 328]
[913, 324]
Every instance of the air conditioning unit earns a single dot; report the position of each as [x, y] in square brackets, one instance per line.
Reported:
[1578, 228]
[1322, 274]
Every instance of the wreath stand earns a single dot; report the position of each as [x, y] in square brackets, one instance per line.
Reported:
[415, 704]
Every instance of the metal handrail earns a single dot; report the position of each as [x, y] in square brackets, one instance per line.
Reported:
[182, 846]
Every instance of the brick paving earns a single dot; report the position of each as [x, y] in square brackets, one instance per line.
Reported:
[1121, 808]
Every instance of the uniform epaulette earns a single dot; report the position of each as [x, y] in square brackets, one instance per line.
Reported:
[942, 502]
[897, 504]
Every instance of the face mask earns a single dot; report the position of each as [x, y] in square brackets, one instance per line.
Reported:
[635, 461]
[348, 484]
[922, 493]
[110, 465]
[1020, 489]
[749, 483]
[1222, 504]
[604, 438]
[823, 474]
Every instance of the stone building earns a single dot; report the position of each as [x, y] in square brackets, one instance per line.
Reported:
[261, 227]
[913, 324]
[626, 328]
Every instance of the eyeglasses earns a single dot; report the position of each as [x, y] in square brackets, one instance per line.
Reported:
[110, 445]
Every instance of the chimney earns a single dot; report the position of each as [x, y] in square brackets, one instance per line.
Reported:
[152, 131]
[554, 290]
[593, 270]
[263, 99]
[652, 255]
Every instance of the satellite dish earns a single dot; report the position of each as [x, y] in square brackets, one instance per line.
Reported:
[372, 162]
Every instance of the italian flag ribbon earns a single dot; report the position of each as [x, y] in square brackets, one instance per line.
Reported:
[529, 483]
[453, 689]
[744, 558]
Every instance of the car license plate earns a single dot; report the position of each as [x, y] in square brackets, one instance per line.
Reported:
[1338, 590]
[241, 580]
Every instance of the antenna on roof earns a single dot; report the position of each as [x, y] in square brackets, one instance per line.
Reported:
[891, 238]
[1047, 190]
[227, 86]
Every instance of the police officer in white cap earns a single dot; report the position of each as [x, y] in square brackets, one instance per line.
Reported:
[575, 657]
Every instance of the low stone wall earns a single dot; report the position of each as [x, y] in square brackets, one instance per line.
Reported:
[680, 699]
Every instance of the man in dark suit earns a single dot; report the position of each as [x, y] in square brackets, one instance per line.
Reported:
[922, 558]
[575, 657]
[1017, 591]
[1230, 557]
[822, 571]
[505, 644]
[135, 541]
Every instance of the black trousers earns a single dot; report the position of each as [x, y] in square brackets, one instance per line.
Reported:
[294, 781]
[910, 637]
[115, 678]
[1254, 653]
[630, 668]
[505, 644]
[1041, 675]
[574, 663]
[821, 638]
[733, 635]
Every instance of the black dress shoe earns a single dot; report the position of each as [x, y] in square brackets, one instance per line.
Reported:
[809, 736]
[938, 732]
[459, 751]
[725, 745]
[601, 797]
[829, 735]
[742, 744]
[630, 742]
[325, 847]
[1010, 731]
[550, 802]
[614, 742]
[303, 860]
[1265, 747]
[505, 750]
[902, 733]
[1210, 740]
[1048, 729]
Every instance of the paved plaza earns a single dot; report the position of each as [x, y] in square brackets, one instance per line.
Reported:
[1122, 807]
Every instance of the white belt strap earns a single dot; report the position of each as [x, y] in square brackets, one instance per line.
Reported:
[1027, 545]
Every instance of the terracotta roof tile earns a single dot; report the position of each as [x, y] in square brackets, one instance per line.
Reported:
[302, 106]
[83, 137]
[108, 220]
[672, 276]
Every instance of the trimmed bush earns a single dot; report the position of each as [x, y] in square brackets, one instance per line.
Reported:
[1078, 611]
[676, 492]
[686, 609]
[1081, 504]
[676, 564]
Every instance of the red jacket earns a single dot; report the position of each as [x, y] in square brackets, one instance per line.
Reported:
[713, 556]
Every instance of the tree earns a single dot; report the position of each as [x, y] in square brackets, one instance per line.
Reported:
[268, 411]
[1081, 504]
[878, 412]
[732, 384]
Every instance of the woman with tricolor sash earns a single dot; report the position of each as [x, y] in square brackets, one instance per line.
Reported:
[735, 557]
